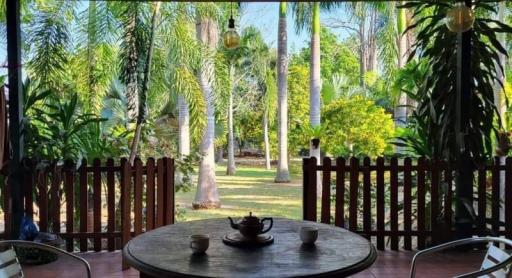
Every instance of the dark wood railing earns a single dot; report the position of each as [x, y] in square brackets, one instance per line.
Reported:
[97, 206]
[404, 202]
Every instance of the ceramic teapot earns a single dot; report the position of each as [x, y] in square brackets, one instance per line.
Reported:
[251, 226]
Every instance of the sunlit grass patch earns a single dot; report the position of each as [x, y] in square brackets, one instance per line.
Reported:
[251, 189]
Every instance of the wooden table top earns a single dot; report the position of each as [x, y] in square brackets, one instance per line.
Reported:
[165, 252]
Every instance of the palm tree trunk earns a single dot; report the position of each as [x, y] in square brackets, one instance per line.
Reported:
[183, 127]
[207, 195]
[231, 167]
[183, 133]
[132, 87]
[362, 52]
[498, 90]
[400, 108]
[266, 140]
[283, 174]
[91, 59]
[219, 155]
[141, 118]
[315, 84]
[315, 81]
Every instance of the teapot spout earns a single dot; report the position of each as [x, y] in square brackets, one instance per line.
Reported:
[233, 224]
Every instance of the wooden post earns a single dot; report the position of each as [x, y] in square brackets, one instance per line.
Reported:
[465, 167]
[309, 194]
[15, 114]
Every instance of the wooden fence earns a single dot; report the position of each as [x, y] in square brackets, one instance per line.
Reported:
[404, 204]
[100, 205]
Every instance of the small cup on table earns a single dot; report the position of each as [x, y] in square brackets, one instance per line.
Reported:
[199, 243]
[308, 235]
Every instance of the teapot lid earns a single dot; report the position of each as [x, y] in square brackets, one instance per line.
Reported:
[249, 220]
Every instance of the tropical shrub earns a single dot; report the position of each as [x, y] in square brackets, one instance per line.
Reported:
[356, 127]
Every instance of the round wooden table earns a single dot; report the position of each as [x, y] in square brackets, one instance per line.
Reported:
[165, 252]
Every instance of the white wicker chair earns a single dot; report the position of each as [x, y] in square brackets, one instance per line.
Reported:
[10, 266]
[496, 262]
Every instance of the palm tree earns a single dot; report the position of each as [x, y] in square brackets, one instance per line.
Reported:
[183, 127]
[184, 54]
[304, 12]
[207, 32]
[269, 102]
[401, 38]
[283, 174]
[97, 36]
[49, 39]
[315, 82]
[259, 63]
[142, 96]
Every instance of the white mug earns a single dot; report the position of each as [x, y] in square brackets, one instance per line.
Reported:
[199, 243]
[308, 234]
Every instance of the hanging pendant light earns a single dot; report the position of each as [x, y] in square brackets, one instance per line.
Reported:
[460, 18]
[231, 37]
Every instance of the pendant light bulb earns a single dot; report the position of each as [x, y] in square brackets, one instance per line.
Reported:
[460, 18]
[231, 37]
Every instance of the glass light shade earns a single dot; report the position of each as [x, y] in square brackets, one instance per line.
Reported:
[460, 18]
[231, 39]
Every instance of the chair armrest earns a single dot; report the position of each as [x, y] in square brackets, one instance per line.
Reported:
[462, 242]
[46, 247]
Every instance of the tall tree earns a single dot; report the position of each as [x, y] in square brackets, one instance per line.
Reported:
[400, 113]
[364, 25]
[142, 96]
[207, 32]
[315, 82]
[269, 109]
[283, 174]
[307, 16]
[183, 127]
[130, 51]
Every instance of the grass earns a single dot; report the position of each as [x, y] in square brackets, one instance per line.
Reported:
[252, 189]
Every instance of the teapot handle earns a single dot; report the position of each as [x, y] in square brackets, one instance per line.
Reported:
[269, 226]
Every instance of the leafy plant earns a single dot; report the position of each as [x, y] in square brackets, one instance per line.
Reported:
[437, 94]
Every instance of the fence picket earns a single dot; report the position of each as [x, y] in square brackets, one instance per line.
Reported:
[169, 191]
[495, 196]
[69, 180]
[420, 220]
[434, 201]
[482, 200]
[126, 175]
[97, 202]
[448, 201]
[111, 203]
[508, 199]
[83, 204]
[339, 217]
[137, 198]
[150, 194]
[380, 203]
[367, 198]
[43, 201]
[309, 193]
[394, 202]
[354, 186]
[407, 204]
[159, 193]
[325, 216]
[55, 198]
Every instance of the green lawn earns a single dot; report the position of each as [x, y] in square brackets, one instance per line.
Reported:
[251, 189]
